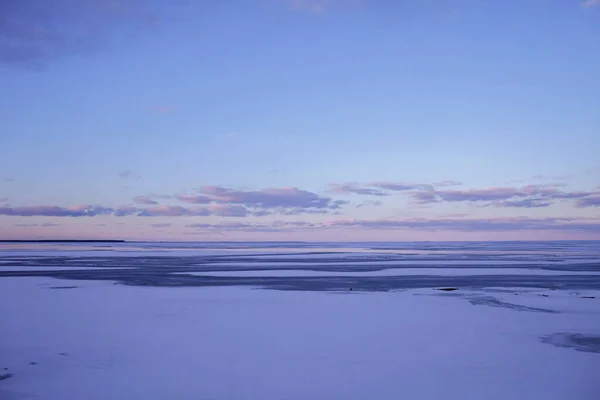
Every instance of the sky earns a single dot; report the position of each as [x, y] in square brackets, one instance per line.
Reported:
[336, 120]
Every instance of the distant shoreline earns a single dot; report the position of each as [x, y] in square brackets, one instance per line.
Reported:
[64, 241]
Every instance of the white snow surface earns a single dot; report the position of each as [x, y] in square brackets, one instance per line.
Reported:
[122, 342]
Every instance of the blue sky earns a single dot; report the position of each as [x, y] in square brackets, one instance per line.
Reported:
[300, 119]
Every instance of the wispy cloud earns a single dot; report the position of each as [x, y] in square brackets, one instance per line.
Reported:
[527, 196]
[124, 211]
[161, 225]
[376, 188]
[471, 225]
[271, 198]
[456, 223]
[144, 200]
[3, 199]
[56, 211]
[228, 210]
[371, 203]
[238, 226]
[172, 211]
[591, 3]
[193, 199]
[355, 188]
[588, 202]
[399, 186]
[447, 183]
[128, 174]
[276, 226]
[525, 203]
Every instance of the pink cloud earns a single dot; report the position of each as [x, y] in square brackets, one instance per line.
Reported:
[193, 199]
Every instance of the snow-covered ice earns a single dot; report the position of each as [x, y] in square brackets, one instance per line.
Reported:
[106, 341]
[278, 321]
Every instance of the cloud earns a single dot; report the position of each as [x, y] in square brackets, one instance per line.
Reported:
[354, 188]
[228, 210]
[447, 183]
[555, 178]
[588, 202]
[56, 211]
[128, 174]
[235, 226]
[3, 199]
[591, 3]
[287, 197]
[144, 200]
[525, 203]
[425, 197]
[526, 196]
[124, 211]
[399, 187]
[161, 225]
[470, 225]
[8, 179]
[488, 194]
[276, 226]
[171, 211]
[376, 188]
[372, 203]
[25, 225]
[48, 224]
[193, 199]
[34, 32]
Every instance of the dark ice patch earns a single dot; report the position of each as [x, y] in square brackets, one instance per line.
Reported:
[5, 376]
[493, 302]
[576, 341]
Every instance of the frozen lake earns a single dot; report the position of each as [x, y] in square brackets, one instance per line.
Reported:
[279, 321]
